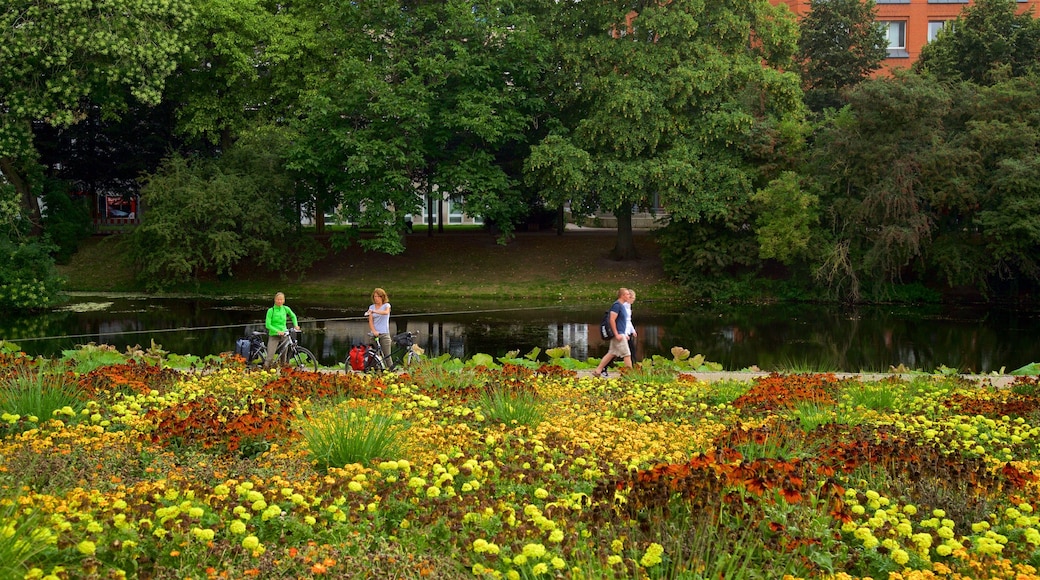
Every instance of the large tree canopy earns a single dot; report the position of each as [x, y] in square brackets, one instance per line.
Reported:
[55, 56]
[420, 98]
[988, 42]
[661, 101]
[840, 44]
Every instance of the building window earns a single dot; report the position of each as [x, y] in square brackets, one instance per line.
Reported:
[892, 1]
[896, 35]
[934, 26]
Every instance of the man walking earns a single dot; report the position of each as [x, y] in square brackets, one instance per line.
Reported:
[619, 340]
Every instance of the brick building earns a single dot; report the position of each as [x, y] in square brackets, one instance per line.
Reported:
[910, 23]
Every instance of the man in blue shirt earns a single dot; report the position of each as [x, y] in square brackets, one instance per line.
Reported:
[619, 343]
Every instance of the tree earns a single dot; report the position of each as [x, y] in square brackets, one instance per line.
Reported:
[224, 82]
[985, 44]
[28, 279]
[421, 99]
[661, 101]
[869, 162]
[56, 56]
[212, 216]
[840, 45]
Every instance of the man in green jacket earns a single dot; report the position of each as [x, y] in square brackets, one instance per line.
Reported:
[277, 323]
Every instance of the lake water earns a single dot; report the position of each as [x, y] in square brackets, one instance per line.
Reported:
[773, 337]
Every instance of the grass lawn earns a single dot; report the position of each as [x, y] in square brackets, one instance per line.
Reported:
[509, 469]
[454, 266]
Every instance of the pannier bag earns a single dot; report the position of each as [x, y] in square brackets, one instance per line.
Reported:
[605, 332]
[356, 359]
[242, 348]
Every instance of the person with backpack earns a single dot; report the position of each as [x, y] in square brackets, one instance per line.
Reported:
[378, 314]
[277, 323]
[618, 322]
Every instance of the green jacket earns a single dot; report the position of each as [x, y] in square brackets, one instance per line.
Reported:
[276, 319]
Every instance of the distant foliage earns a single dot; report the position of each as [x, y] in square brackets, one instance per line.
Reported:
[206, 216]
[66, 220]
[28, 280]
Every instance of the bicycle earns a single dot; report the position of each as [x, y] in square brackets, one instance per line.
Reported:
[408, 352]
[290, 353]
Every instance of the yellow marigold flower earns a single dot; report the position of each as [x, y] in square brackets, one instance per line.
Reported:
[541, 493]
[943, 550]
[1032, 536]
[196, 512]
[556, 536]
[86, 547]
[480, 545]
[534, 550]
[900, 556]
[250, 542]
[354, 486]
[519, 559]
[923, 541]
[433, 491]
[203, 534]
[616, 546]
[909, 509]
[512, 575]
[613, 560]
[873, 495]
[237, 527]
[539, 569]
[652, 557]
[558, 563]
[979, 527]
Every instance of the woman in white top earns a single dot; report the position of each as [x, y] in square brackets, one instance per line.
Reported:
[379, 322]
[631, 328]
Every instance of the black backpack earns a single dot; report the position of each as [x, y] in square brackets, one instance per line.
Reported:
[605, 331]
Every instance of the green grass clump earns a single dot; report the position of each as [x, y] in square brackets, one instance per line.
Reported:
[38, 391]
[511, 408]
[335, 438]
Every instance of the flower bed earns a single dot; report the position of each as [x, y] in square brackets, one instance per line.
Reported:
[505, 470]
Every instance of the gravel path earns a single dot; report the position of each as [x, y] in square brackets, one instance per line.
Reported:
[994, 379]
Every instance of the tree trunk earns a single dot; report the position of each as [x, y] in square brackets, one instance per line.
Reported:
[9, 168]
[625, 246]
[561, 223]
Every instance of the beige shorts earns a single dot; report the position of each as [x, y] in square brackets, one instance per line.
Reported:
[619, 348]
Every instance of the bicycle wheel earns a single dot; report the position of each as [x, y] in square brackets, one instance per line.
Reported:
[258, 356]
[303, 360]
[411, 358]
[373, 362]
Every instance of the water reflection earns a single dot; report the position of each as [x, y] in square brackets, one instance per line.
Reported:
[773, 337]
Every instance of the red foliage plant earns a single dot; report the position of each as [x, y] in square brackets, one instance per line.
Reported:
[776, 391]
